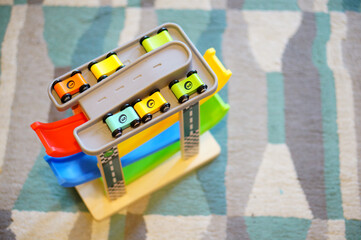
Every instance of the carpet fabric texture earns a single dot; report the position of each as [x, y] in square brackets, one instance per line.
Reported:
[290, 166]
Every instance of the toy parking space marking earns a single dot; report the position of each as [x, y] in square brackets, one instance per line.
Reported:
[112, 173]
[189, 127]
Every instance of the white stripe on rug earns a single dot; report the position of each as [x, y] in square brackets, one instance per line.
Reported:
[42, 225]
[345, 119]
[176, 227]
[100, 229]
[8, 72]
[277, 27]
[276, 190]
[131, 25]
[184, 4]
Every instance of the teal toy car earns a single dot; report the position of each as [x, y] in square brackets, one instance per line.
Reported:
[122, 120]
[183, 89]
[150, 43]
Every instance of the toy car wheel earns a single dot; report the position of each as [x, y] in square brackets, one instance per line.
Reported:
[183, 98]
[106, 116]
[102, 77]
[162, 29]
[154, 91]
[117, 133]
[191, 72]
[111, 53]
[147, 118]
[202, 88]
[135, 123]
[65, 98]
[120, 67]
[136, 101]
[55, 82]
[142, 39]
[75, 72]
[84, 87]
[91, 64]
[124, 106]
[165, 107]
[172, 83]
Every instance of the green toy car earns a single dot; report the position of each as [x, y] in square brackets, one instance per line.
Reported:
[122, 120]
[150, 43]
[183, 89]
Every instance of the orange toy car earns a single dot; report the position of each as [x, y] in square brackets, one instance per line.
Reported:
[68, 87]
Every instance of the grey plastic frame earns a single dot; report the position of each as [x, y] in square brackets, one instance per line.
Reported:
[94, 136]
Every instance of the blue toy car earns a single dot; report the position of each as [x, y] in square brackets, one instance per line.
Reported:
[122, 120]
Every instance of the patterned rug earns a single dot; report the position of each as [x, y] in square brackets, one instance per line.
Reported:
[290, 165]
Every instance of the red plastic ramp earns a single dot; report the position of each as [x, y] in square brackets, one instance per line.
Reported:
[57, 137]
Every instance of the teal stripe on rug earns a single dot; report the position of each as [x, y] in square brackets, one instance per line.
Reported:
[329, 117]
[5, 12]
[344, 5]
[20, 1]
[214, 188]
[193, 22]
[271, 5]
[116, 25]
[353, 229]
[117, 227]
[279, 228]
[41, 192]
[134, 3]
[207, 33]
[91, 43]
[62, 30]
[276, 103]
[186, 196]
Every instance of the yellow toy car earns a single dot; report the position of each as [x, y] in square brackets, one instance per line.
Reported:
[104, 68]
[150, 43]
[150, 105]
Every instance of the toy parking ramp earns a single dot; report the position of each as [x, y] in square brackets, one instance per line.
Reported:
[80, 168]
[75, 169]
[57, 137]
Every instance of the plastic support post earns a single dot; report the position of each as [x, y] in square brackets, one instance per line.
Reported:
[112, 173]
[189, 131]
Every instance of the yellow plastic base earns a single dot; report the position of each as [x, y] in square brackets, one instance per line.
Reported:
[100, 207]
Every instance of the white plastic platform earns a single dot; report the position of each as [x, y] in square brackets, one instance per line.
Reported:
[174, 168]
